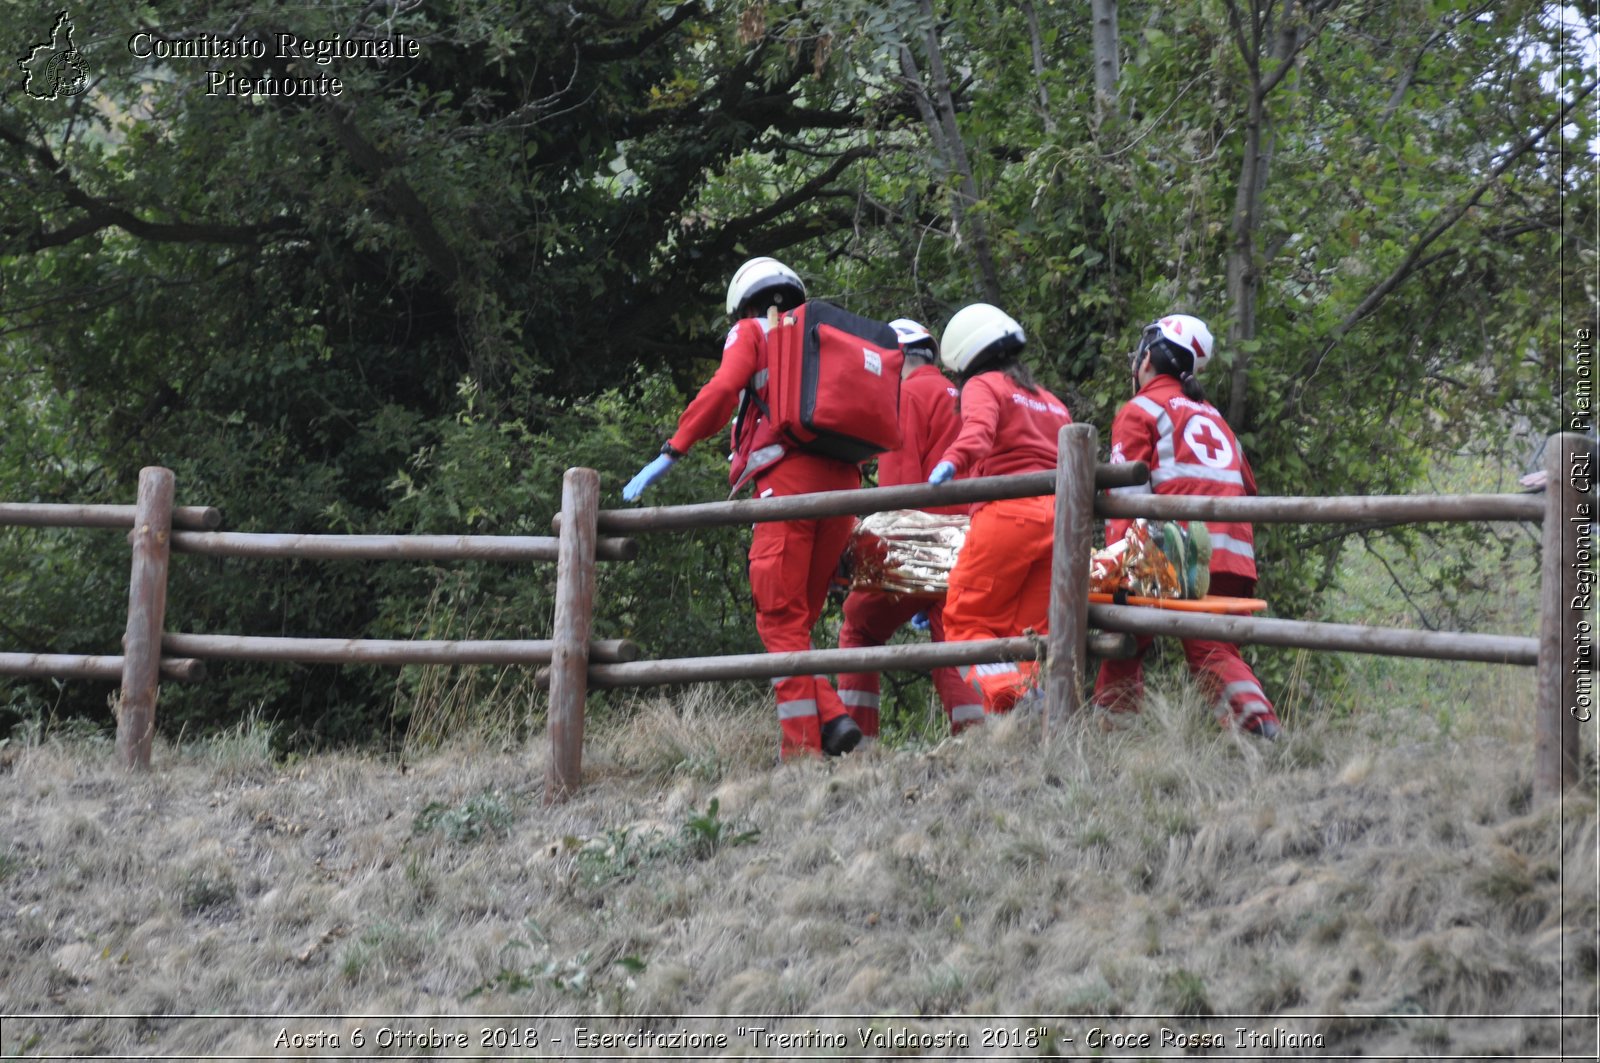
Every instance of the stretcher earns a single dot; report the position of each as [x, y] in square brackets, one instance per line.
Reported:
[1211, 603]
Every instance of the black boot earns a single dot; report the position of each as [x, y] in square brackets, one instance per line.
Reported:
[840, 735]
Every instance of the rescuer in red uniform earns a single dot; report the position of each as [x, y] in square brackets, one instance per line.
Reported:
[791, 562]
[929, 421]
[1190, 450]
[1000, 586]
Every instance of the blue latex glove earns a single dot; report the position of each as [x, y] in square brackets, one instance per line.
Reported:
[647, 476]
[920, 621]
[942, 473]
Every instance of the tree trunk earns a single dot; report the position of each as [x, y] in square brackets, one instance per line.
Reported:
[965, 194]
[1037, 44]
[1244, 265]
[1104, 16]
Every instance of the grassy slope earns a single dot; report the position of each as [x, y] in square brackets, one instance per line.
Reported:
[1167, 868]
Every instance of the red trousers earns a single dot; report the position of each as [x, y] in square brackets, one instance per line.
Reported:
[791, 563]
[1216, 665]
[870, 619]
[1000, 588]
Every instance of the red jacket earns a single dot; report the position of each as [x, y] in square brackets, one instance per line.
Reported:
[1005, 428]
[744, 356]
[756, 445]
[929, 421]
[741, 355]
[1191, 451]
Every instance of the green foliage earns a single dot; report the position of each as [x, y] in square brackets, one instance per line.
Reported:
[620, 853]
[580, 976]
[615, 855]
[481, 815]
[705, 833]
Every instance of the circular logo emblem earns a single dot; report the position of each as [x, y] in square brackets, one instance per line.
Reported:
[66, 74]
[1208, 443]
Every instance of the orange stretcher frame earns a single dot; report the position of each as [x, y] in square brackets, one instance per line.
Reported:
[1211, 603]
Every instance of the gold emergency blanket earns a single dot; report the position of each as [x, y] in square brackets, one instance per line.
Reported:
[1136, 564]
[906, 551]
[909, 552]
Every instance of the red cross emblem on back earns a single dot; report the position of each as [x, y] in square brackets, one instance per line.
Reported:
[1208, 442]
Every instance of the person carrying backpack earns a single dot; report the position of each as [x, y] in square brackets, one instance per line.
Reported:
[1190, 450]
[1000, 586]
[791, 562]
[929, 421]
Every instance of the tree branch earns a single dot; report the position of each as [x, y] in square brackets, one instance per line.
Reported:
[635, 46]
[102, 214]
[1414, 258]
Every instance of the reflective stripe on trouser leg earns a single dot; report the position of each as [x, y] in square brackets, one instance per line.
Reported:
[1243, 700]
[960, 707]
[870, 619]
[1234, 683]
[862, 705]
[964, 716]
[791, 563]
[799, 728]
[1000, 684]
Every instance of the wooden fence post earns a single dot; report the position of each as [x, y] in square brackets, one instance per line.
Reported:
[1069, 568]
[569, 663]
[151, 539]
[1566, 613]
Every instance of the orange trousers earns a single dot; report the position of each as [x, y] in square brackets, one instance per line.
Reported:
[791, 564]
[1000, 588]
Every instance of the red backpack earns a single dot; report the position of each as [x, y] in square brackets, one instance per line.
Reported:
[833, 382]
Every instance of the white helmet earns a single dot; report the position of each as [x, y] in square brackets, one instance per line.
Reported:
[914, 338]
[759, 275]
[977, 334]
[1188, 334]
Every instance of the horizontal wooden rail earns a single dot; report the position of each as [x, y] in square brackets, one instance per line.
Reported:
[852, 503]
[80, 666]
[60, 515]
[1290, 509]
[391, 547]
[386, 651]
[1313, 635]
[908, 657]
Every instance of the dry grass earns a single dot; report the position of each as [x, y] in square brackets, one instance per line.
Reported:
[1346, 883]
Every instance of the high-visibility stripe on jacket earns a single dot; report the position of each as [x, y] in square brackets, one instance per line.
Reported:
[1190, 451]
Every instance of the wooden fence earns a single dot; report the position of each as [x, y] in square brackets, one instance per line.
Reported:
[573, 661]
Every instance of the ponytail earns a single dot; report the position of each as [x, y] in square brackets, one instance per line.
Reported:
[1020, 375]
[1163, 361]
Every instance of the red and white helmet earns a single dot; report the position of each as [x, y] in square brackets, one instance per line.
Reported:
[915, 338]
[763, 275]
[1188, 334]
